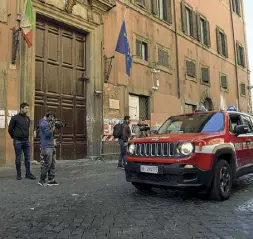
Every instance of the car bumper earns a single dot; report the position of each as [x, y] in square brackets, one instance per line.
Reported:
[169, 175]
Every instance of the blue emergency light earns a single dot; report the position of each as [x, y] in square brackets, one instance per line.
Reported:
[232, 108]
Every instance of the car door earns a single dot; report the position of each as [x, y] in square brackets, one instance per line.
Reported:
[238, 141]
[248, 142]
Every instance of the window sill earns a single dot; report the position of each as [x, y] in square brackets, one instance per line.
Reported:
[161, 20]
[224, 90]
[206, 84]
[241, 67]
[244, 96]
[164, 69]
[221, 55]
[190, 78]
[140, 61]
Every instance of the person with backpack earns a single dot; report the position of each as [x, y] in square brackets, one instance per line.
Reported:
[122, 132]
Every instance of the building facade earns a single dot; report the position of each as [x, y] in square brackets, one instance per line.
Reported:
[185, 54]
[62, 71]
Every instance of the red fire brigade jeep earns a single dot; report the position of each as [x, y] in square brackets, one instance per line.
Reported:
[201, 151]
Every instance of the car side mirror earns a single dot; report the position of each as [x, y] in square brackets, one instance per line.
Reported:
[241, 129]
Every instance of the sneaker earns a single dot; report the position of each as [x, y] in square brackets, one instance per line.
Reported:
[120, 166]
[18, 177]
[30, 176]
[52, 183]
[42, 183]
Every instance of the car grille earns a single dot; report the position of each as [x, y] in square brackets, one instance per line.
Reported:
[155, 149]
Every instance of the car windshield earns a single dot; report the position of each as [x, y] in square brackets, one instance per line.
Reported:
[194, 123]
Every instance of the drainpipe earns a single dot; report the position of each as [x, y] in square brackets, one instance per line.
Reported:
[234, 41]
[177, 57]
[247, 57]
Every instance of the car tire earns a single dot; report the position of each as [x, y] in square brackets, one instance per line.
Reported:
[142, 187]
[222, 181]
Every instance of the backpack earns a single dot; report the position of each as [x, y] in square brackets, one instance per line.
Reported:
[118, 131]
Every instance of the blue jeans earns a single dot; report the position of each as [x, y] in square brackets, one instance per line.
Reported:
[19, 146]
[123, 152]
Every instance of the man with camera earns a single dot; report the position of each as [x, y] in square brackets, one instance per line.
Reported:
[48, 151]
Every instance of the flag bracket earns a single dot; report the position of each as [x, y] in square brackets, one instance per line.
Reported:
[108, 67]
[15, 42]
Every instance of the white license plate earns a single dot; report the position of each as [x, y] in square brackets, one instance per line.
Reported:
[149, 169]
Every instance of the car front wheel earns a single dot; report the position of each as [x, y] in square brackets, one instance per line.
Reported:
[222, 182]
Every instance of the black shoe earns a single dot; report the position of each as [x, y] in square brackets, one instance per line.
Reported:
[52, 183]
[18, 177]
[120, 166]
[30, 176]
[42, 183]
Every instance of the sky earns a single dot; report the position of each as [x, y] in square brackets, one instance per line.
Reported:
[248, 12]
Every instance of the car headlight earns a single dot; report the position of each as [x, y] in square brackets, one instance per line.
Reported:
[186, 148]
[131, 149]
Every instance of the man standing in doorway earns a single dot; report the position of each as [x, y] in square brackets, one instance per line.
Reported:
[48, 151]
[126, 133]
[19, 131]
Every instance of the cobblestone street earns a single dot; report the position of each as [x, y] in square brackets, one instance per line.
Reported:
[94, 201]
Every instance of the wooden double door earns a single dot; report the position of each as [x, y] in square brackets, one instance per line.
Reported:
[59, 86]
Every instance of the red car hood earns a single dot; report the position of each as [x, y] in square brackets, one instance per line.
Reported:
[175, 137]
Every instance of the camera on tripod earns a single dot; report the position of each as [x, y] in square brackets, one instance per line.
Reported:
[57, 123]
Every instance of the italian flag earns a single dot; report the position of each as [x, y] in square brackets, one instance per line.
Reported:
[27, 23]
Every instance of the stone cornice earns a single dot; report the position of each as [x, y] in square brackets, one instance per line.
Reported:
[102, 6]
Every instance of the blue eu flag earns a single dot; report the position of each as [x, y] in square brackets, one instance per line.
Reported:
[123, 47]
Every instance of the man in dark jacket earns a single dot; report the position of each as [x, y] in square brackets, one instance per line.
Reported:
[19, 131]
[48, 150]
[126, 133]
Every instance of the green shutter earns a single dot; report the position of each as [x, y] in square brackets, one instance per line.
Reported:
[238, 54]
[208, 38]
[226, 44]
[154, 7]
[183, 17]
[168, 11]
[218, 40]
[198, 27]
[194, 25]
[138, 48]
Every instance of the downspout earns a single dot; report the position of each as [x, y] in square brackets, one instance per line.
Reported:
[177, 57]
[247, 58]
[234, 41]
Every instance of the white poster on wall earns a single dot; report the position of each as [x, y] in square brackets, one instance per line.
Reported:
[134, 107]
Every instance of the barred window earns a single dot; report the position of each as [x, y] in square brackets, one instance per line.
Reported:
[163, 57]
[224, 84]
[243, 89]
[205, 75]
[190, 69]
[144, 107]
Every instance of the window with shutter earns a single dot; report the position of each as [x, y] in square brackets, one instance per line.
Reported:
[237, 6]
[205, 75]
[142, 49]
[203, 30]
[190, 69]
[243, 89]
[224, 84]
[189, 23]
[221, 42]
[163, 57]
[240, 55]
